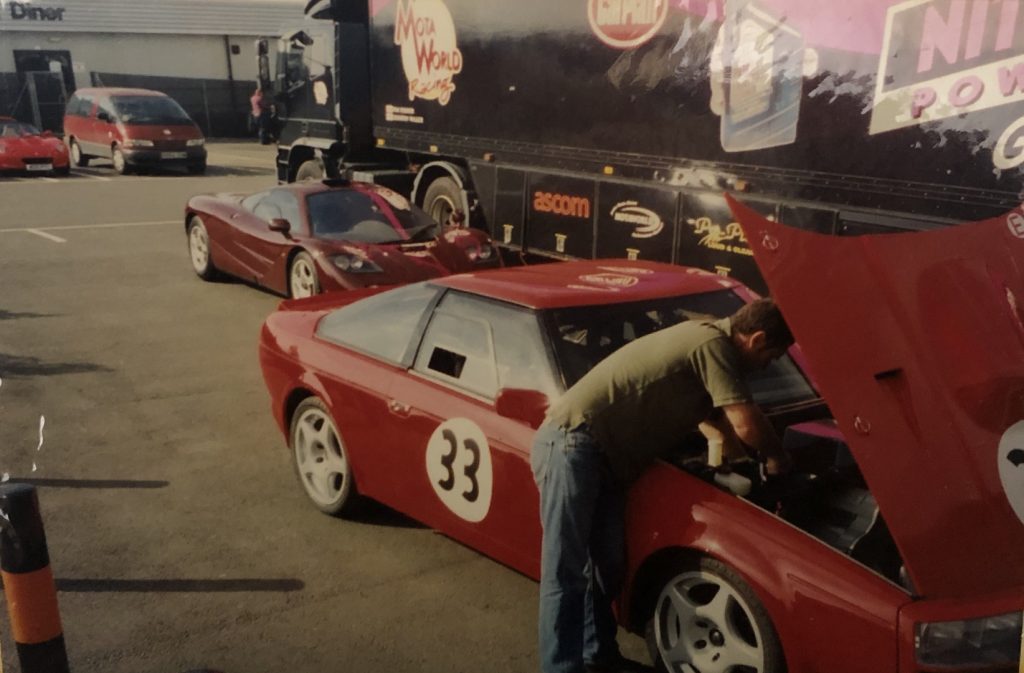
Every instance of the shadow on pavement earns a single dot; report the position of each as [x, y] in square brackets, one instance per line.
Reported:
[91, 483]
[18, 366]
[179, 586]
[14, 315]
[373, 513]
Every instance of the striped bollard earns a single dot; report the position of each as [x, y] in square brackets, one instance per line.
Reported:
[28, 582]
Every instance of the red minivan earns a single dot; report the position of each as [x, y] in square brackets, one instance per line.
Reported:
[133, 128]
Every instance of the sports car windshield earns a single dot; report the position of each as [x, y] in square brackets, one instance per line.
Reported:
[360, 217]
[584, 336]
[149, 110]
[17, 130]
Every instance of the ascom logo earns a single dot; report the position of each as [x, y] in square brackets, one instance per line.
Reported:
[561, 204]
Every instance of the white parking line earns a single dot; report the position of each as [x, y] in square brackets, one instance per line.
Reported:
[55, 239]
[99, 225]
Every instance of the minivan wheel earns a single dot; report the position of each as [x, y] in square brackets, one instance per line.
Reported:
[120, 164]
[76, 154]
[197, 168]
[708, 619]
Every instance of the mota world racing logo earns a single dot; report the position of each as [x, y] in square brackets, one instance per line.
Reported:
[430, 55]
[626, 23]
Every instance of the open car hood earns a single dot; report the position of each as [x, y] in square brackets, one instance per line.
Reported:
[916, 341]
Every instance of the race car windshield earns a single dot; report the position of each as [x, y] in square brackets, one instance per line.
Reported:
[583, 336]
[149, 110]
[350, 215]
[17, 130]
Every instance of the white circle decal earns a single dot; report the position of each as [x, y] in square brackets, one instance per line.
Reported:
[1011, 467]
[459, 468]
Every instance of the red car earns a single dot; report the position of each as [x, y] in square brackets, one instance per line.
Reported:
[309, 237]
[892, 547]
[23, 148]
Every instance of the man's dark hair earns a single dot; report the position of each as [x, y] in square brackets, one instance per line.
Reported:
[763, 314]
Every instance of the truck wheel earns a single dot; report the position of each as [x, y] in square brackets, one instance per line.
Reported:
[310, 170]
[708, 619]
[443, 198]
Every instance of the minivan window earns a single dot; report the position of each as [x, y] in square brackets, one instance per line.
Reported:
[149, 110]
[79, 106]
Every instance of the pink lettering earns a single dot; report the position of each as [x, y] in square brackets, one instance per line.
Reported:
[976, 29]
[940, 34]
[923, 99]
[1007, 22]
[1011, 80]
[966, 90]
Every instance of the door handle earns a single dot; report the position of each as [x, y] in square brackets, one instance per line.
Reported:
[399, 409]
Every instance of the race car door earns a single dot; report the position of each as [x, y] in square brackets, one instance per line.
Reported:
[468, 467]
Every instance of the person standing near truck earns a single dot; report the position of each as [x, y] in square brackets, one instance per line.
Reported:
[630, 409]
[262, 116]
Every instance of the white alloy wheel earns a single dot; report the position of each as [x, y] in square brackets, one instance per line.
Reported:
[199, 249]
[707, 620]
[302, 278]
[320, 459]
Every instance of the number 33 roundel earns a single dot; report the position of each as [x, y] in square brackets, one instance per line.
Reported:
[459, 468]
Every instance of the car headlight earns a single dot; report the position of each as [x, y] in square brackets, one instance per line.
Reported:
[196, 142]
[483, 253]
[989, 641]
[354, 264]
[138, 142]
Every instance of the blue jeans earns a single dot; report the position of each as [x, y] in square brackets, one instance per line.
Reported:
[582, 511]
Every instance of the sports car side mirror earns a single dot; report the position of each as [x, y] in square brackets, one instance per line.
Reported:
[280, 224]
[521, 404]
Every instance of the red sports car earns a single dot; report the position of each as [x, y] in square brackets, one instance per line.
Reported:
[23, 148]
[309, 237]
[894, 546]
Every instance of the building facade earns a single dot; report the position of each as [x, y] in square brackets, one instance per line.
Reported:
[200, 52]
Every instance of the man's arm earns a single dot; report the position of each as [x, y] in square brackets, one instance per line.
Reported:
[753, 429]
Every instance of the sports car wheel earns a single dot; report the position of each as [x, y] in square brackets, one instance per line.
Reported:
[309, 170]
[120, 164]
[708, 620]
[302, 278]
[77, 156]
[199, 249]
[442, 199]
[321, 462]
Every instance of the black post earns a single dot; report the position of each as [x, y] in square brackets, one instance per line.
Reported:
[28, 582]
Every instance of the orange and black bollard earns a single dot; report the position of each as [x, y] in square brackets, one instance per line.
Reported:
[28, 582]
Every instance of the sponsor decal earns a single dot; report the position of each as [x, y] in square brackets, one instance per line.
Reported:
[647, 223]
[561, 204]
[560, 240]
[506, 231]
[632, 253]
[617, 280]
[396, 113]
[942, 58]
[626, 23]
[1015, 223]
[320, 92]
[594, 288]
[459, 468]
[431, 58]
[723, 270]
[727, 238]
[1011, 467]
[21, 11]
[627, 269]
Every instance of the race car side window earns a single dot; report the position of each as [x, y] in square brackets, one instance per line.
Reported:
[382, 325]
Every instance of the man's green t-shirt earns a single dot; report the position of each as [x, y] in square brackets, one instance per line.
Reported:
[641, 400]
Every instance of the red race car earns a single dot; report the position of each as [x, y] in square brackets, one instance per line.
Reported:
[309, 237]
[24, 149]
[894, 546]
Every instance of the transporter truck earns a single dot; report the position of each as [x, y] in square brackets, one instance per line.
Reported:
[613, 128]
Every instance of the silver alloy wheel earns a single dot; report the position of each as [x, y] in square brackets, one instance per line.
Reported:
[199, 246]
[704, 625]
[320, 458]
[302, 278]
[119, 163]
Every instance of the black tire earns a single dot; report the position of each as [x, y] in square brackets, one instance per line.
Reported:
[442, 198]
[310, 170]
[63, 171]
[197, 168]
[703, 639]
[77, 156]
[303, 280]
[199, 249]
[320, 459]
[120, 163]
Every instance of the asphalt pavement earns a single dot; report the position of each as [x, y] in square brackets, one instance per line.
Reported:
[130, 394]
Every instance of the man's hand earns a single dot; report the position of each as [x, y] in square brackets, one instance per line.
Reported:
[780, 463]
